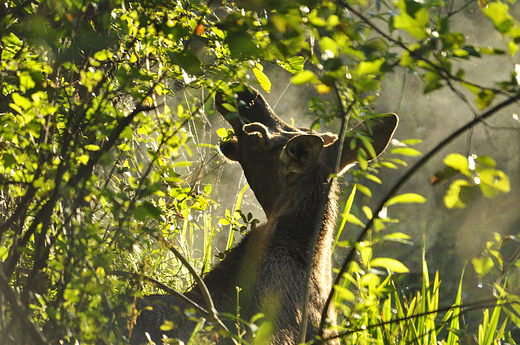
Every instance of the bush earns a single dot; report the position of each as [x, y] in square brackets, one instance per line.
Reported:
[108, 158]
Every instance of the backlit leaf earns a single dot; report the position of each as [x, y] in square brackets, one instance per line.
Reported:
[405, 151]
[406, 198]
[370, 67]
[390, 264]
[482, 265]
[264, 81]
[458, 162]
[459, 194]
[304, 77]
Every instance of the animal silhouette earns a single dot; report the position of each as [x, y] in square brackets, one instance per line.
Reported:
[288, 169]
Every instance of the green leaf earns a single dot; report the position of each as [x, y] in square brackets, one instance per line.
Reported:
[482, 265]
[491, 329]
[147, 210]
[264, 81]
[229, 107]
[102, 55]
[458, 162]
[370, 67]
[398, 237]
[12, 46]
[222, 132]
[167, 326]
[432, 80]
[460, 193]
[484, 98]
[498, 12]
[26, 81]
[328, 44]
[181, 164]
[92, 147]
[374, 178]
[406, 198]
[354, 220]
[390, 264]
[293, 64]
[388, 165]
[304, 77]
[83, 159]
[492, 182]
[363, 189]
[21, 101]
[265, 332]
[411, 141]
[124, 147]
[367, 211]
[487, 161]
[345, 293]
[415, 25]
[405, 151]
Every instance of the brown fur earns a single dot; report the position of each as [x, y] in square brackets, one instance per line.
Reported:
[288, 169]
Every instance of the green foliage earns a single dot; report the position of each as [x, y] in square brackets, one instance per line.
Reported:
[101, 107]
[480, 171]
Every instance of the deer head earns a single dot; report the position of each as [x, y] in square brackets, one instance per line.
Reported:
[279, 159]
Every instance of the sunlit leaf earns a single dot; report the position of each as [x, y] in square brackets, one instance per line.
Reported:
[458, 162]
[415, 25]
[487, 161]
[493, 181]
[460, 193]
[264, 81]
[405, 151]
[482, 265]
[363, 189]
[167, 326]
[265, 332]
[370, 67]
[92, 147]
[390, 264]
[406, 198]
[498, 12]
[354, 220]
[344, 293]
[304, 77]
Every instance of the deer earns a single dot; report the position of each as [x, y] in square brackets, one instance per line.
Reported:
[288, 169]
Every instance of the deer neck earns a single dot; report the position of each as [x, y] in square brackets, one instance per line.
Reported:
[302, 213]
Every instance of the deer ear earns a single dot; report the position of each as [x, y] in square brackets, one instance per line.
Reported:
[379, 134]
[300, 153]
[230, 149]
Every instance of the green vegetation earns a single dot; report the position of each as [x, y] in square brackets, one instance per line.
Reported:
[108, 161]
